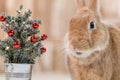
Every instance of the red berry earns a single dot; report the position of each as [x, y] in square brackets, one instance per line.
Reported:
[17, 44]
[10, 33]
[35, 25]
[34, 39]
[2, 18]
[43, 49]
[43, 36]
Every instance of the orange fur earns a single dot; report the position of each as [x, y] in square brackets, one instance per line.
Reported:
[101, 44]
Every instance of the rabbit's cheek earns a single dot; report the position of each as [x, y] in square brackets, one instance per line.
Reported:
[95, 37]
[79, 41]
[83, 45]
[78, 49]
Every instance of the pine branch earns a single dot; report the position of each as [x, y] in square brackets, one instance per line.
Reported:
[23, 29]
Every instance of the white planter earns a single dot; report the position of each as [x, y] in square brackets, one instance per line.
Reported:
[18, 71]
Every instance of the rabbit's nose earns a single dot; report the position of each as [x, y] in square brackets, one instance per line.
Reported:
[78, 53]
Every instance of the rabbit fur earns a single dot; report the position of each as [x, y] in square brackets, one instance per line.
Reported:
[93, 47]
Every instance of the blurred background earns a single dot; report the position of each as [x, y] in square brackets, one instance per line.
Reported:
[55, 16]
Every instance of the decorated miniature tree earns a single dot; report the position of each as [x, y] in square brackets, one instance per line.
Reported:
[22, 44]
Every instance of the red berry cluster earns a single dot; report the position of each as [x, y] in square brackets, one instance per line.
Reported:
[17, 44]
[2, 18]
[11, 33]
[43, 36]
[34, 38]
[35, 25]
[43, 49]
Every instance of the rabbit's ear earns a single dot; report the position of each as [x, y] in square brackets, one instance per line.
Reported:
[80, 4]
[93, 4]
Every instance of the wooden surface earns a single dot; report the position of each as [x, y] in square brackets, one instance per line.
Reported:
[45, 76]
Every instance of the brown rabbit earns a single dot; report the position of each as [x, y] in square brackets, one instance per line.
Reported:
[93, 47]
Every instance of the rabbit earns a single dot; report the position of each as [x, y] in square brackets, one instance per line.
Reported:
[92, 46]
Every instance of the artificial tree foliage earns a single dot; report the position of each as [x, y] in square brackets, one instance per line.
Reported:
[22, 45]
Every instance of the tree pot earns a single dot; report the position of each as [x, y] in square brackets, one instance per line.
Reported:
[18, 71]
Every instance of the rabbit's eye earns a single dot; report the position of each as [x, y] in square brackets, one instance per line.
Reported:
[92, 25]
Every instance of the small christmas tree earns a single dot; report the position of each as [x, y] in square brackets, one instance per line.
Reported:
[22, 44]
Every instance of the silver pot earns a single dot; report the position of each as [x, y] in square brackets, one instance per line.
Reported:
[18, 71]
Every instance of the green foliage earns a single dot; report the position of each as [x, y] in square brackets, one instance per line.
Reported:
[23, 30]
